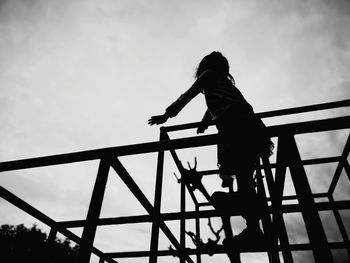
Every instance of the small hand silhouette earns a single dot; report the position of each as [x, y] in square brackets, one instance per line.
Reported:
[202, 128]
[158, 119]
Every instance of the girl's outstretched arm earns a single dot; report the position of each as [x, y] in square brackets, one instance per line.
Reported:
[181, 102]
[175, 107]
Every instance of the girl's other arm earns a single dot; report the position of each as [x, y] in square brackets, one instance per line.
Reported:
[205, 122]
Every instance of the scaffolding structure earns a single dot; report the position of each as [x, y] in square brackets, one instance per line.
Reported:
[270, 188]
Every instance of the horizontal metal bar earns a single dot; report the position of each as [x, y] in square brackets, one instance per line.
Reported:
[275, 113]
[221, 250]
[295, 197]
[273, 165]
[109, 221]
[112, 151]
[319, 160]
[285, 208]
[204, 204]
[196, 141]
[301, 247]
[304, 109]
[320, 206]
[310, 126]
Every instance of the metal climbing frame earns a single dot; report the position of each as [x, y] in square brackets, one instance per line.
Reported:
[273, 223]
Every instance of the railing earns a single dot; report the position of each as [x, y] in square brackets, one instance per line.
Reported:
[273, 221]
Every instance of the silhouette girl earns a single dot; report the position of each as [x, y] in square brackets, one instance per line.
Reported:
[242, 135]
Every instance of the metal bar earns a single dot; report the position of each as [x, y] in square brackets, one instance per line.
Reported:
[16, 201]
[277, 198]
[304, 109]
[310, 126]
[204, 204]
[321, 206]
[157, 203]
[347, 168]
[268, 175]
[112, 151]
[218, 250]
[274, 165]
[198, 235]
[316, 161]
[280, 175]
[109, 221]
[182, 220]
[340, 166]
[313, 224]
[124, 175]
[275, 113]
[52, 235]
[286, 208]
[181, 170]
[196, 141]
[266, 219]
[141, 148]
[272, 234]
[295, 197]
[183, 187]
[93, 214]
[50, 242]
[340, 225]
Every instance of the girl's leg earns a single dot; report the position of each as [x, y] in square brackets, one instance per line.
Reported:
[246, 189]
[227, 180]
[227, 227]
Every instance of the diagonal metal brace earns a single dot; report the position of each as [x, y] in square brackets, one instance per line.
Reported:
[130, 183]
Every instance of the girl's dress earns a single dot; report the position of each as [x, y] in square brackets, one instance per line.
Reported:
[242, 135]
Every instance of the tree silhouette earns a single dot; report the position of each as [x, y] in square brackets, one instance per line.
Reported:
[22, 244]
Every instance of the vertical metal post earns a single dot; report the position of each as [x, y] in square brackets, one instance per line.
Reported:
[50, 242]
[340, 223]
[182, 200]
[198, 233]
[266, 219]
[272, 234]
[52, 235]
[182, 220]
[276, 198]
[93, 214]
[157, 203]
[343, 164]
[313, 224]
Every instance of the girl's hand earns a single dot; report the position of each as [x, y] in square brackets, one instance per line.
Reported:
[202, 127]
[158, 119]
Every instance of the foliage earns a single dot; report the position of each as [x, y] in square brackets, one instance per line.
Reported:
[21, 244]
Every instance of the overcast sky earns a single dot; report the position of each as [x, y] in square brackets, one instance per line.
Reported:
[79, 75]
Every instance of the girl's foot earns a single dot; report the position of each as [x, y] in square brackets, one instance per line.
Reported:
[227, 182]
[249, 238]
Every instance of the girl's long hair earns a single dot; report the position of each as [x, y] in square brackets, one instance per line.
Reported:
[217, 62]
